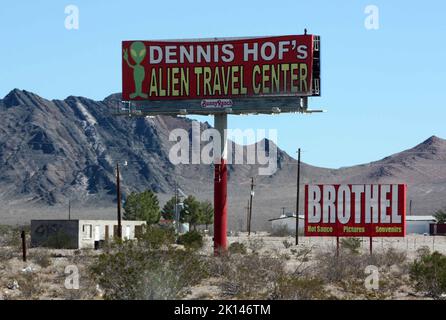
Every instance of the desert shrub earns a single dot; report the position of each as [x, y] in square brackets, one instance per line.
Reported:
[30, 285]
[389, 257]
[192, 240]
[250, 276]
[287, 244]
[348, 271]
[41, 257]
[348, 265]
[299, 288]
[255, 245]
[351, 244]
[10, 236]
[6, 254]
[428, 273]
[132, 271]
[282, 231]
[423, 251]
[155, 236]
[237, 247]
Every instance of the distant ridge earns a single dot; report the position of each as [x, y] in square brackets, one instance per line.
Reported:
[52, 151]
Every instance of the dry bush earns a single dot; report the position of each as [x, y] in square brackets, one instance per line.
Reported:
[390, 257]
[333, 269]
[30, 285]
[41, 257]
[348, 271]
[287, 244]
[255, 245]
[132, 271]
[237, 247]
[250, 276]
[428, 274]
[299, 288]
[282, 232]
[255, 276]
[10, 237]
[351, 244]
[6, 253]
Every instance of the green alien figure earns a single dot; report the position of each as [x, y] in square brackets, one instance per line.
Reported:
[138, 53]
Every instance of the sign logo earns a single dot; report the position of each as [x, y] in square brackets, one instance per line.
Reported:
[216, 103]
[138, 53]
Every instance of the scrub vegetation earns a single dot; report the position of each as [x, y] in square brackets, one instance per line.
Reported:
[161, 265]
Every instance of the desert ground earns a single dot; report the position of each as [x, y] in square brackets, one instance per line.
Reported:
[48, 273]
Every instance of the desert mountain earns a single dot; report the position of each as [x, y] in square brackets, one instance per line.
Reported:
[55, 151]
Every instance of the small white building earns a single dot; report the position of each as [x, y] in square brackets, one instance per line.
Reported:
[418, 224]
[288, 222]
[80, 234]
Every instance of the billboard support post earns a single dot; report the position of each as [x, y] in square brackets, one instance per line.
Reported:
[297, 196]
[371, 246]
[220, 186]
[337, 247]
[118, 202]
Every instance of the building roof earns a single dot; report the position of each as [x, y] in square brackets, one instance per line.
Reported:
[282, 217]
[420, 218]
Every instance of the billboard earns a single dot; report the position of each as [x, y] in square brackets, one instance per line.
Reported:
[355, 210]
[217, 74]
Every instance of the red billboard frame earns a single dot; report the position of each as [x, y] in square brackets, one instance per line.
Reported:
[365, 206]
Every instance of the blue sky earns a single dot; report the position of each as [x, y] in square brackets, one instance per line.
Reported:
[383, 89]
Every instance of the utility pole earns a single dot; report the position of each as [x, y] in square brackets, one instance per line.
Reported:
[250, 206]
[410, 207]
[69, 209]
[247, 217]
[283, 211]
[297, 196]
[118, 192]
[177, 216]
[23, 236]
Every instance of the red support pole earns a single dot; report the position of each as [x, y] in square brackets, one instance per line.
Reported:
[220, 189]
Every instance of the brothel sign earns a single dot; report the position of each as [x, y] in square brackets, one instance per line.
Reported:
[354, 210]
[157, 72]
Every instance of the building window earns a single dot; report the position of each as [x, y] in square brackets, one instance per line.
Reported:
[87, 231]
[127, 232]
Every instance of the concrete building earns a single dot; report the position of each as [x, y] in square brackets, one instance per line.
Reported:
[418, 224]
[80, 234]
[287, 221]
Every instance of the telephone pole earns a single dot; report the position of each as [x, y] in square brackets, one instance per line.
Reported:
[247, 216]
[118, 192]
[250, 206]
[297, 196]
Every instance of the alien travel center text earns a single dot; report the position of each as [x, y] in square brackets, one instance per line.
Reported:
[206, 69]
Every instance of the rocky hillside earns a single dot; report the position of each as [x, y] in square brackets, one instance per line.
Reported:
[55, 151]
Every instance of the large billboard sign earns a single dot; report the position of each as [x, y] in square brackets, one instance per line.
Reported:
[355, 210]
[216, 74]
